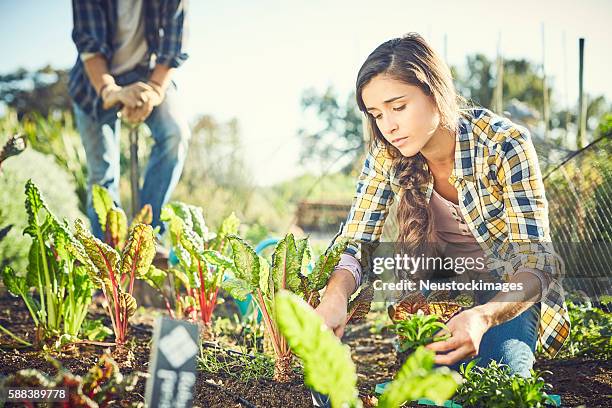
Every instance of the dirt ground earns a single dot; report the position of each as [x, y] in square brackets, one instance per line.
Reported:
[578, 381]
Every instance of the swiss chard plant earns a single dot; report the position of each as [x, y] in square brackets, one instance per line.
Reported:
[288, 271]
[56, 288]
[203, 260]
[116, 272]
[495, 386]
[102, 386]
[328, 367]
[113, 220]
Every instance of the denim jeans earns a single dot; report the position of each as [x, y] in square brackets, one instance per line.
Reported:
[171, 135]
[512, 343]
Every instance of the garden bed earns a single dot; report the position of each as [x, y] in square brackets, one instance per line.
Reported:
[578, 381]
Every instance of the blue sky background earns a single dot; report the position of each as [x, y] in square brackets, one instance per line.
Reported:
[253, 59]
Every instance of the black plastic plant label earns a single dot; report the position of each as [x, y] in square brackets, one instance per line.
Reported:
[172, 366]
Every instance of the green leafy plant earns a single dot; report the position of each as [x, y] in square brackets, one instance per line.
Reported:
[203, 261]
[591, 333]
[496, 387]
[418, 330]
[328, 367]
[254, 275]
[102, 386]
[113, 220]
[116, 272]
[62, 287]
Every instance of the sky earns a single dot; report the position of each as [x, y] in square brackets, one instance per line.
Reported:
[252, 59]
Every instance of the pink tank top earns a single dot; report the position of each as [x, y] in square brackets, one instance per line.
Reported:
[453, 234]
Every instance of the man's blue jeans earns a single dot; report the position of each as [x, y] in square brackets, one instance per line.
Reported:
[171, 135]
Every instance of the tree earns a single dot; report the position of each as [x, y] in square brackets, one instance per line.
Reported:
[42, 91]
[337, 135]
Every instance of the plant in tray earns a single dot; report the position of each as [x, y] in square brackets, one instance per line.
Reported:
[55, 288]
[495, 386]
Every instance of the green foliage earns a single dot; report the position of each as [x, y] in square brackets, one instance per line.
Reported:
[417, 379]
[95, 330]
[328, 367]
[113, 220]
[288, 271]
[62, 286]
[115, 272]
[495, 387]
[203, 260]
[102, 386]
[418, 330]
[244, 367]
[54, 184]
[339, 137]
[590, 334]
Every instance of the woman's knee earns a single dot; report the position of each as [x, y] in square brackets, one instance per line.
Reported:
[514, 353]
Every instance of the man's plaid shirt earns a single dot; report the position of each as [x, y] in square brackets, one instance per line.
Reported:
[501, 197]
[95, 23]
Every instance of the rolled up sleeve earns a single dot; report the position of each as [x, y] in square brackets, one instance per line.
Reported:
[173, 33]
[89, 32]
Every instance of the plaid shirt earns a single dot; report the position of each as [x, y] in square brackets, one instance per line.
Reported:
[95, 23]
[501, 198]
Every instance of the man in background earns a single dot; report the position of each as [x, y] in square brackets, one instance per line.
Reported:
[127, 53]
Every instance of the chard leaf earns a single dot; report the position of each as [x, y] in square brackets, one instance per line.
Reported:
[104, 257]
[15, 284]
[139, 251]
[325, 265]
[304, 253]
[155, 277]
[144, 216]
[265, 279]
[246, 261]
[286, 265]
[34, 203]
[181, 277]
[238, 288]
[217, 259]
[128, 302]
[181, 210]
[229, 226]
[102, 204]
[197, 218]
[95, 330]
[416, 379]
[116, 227]
[359, 307]
[328, 367]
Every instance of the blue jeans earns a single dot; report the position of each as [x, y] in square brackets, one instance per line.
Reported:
[512, 343]
[171, 135]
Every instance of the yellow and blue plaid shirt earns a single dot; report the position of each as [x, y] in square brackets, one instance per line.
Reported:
[501, 198]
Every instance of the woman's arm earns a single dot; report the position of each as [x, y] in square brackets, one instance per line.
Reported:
[366, 218]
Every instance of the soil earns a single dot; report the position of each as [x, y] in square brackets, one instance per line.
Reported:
[579, 381]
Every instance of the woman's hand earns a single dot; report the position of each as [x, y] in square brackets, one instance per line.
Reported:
[466, 329]
[333, 310]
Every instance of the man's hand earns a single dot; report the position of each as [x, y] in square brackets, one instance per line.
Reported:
[333, 311]
[467, 329]
[130, 96]
[151, 98]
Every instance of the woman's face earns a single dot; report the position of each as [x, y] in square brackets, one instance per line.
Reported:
[406, 117]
